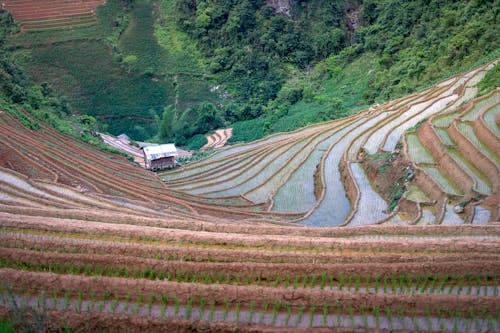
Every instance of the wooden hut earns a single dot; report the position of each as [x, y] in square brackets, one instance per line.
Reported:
[160, 156]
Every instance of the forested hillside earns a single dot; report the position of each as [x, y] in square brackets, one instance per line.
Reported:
[175, 69]
[31, 102]
[326, 58]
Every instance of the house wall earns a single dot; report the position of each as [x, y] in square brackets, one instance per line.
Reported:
[162, 163]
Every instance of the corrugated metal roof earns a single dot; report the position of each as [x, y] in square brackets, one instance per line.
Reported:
[160, 151]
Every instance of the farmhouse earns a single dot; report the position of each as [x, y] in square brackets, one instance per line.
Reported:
[160, 156]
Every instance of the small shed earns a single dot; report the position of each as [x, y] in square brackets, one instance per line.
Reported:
[123, 137]
[158, 157]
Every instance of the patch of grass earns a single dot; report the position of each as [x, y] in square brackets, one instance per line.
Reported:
[191, 91]
[196, 142]
[40, 37]
[196, 157]
[248, 130]
[126, 102]
[182, 54]
[490, 81]
[416, 194]
[348, 84]
[322, 100]
[139, 40]
[7, 325]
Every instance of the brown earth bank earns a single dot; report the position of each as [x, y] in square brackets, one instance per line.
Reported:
[90, 214]
[108, 322]
[475, 156]
[486, 135]
[430, 139]
[350, 186]
[30, 282]
[11, 158]
[477, 244]
[429, 185]
[220, 255]
[403, 248]
[254, 270]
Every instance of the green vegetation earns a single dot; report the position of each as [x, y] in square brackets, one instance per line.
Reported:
[248, 46]
[189, 124]
[20, 96]
[362, 53]
[138, 42]
[183, 55]
[240, 63]
[12, 78]
[248, 130]
[334, 98]
[115, 71]
[424, 41]
[491, 80]
[7, 325]
[110, 95]
[101, 81]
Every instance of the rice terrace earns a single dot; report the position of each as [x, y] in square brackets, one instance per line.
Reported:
[54, 14]
[386, 219]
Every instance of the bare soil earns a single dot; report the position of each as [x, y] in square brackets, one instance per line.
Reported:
[457, 244]
[51, 244]
[254, 270]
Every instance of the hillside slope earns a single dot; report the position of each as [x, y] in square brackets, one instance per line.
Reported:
[321, 60]
[318, 170]
[111, 65]
[262, 66]
[91, 241]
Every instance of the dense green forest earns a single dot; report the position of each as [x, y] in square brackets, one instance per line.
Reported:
[171, 70]
[329, 58]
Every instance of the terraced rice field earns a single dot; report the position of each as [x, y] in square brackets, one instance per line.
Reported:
[333, 206]
[301, 181]
[442, 180]
[371, 207]
[416, 150]
[490, 117]
[480, 106]
[247, 239]
[309, 172]
[218, 139]
[467, 131]
[480, 181]
[252, 281]
[53, 14]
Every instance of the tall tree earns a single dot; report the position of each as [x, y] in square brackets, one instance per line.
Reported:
[167, 122]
